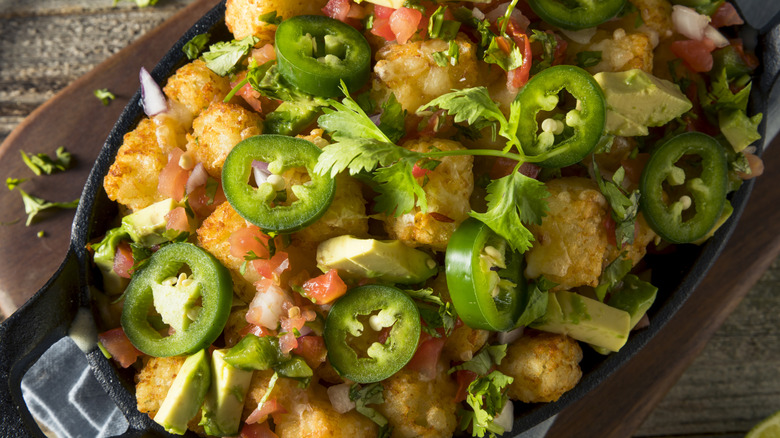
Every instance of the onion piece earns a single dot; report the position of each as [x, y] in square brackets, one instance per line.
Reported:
[580, 36]
[516, 15]
[507, 417]
[152, 97]
[267, 307]
[510, 336]
[260, 170]
[197, 178]
[716, 37]
[339, 398]
[689, 23]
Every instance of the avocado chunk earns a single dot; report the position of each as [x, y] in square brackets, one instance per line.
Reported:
[225, 400]
[105, 251]
[186, 395]
[390, 260]
[636, 100]
[586, 320]
[635, 297]
[175, 300]
[148, 226]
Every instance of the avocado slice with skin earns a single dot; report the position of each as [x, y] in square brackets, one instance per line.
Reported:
[390, 260]
[186, 394]
[225, 400]
[586, 320]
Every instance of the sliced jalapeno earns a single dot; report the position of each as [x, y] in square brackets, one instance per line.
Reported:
[197, 306]
[566, 141]
[576, 14]
[352, 351]
[315, 53]
[257, 204]
[684, 187]
[484, 277]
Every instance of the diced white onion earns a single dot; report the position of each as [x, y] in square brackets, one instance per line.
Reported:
[198, 177]
[339, 398]
[500, 11]
[510, 336]
[507, 417]
[260, 170]
[580, 36]
[267, 307]
[152, 96]
[716, 37]
[479, 15]
[689, 23]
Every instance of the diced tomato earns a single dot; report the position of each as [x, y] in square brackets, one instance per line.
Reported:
[419, 172]
[325, 288]
[426, 358]
[634, 167]
[261, 413]
[404, 23]
[255, 330]
[177, 220]
[116, 343]
[257, 430]
[249, 94]
[519, 76]
[357, 12]
[264, 54]
[202, 204]
[696, 55]
[610, 225]
[464, 379]
[272, 268]
[382, 11]
[382, 29]
[173, 179]
[559, 55]
[748, 58]
[504, 166]
[123, 260]
[338, 9]
[312, 349]
[726, 15]
[248, 239]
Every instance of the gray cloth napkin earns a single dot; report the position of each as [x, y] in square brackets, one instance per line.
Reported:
[65, 398]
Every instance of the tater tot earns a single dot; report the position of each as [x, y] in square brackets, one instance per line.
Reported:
[242, 17]
[195, 86]
[543, 366]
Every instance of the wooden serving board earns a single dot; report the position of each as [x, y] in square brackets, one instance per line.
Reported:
[75, 119]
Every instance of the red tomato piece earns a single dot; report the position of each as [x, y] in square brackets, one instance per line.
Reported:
[257, 430]
[464, 379]
[383, 11]
[248, 239]
[427, 356]
[312, 349]
[338, 9]
[121, 349]
[255, 330]
[202, 204]
[173, 178]
[177, 220]
[123, 260]
[696, 55]
[519, 76]
[726, 15]
[272, 268]
[404, 23]
[325, 288]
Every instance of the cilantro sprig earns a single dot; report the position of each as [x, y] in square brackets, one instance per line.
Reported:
[223, 57]
[43, 164]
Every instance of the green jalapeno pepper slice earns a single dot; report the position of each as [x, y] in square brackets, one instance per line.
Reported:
[359, 358]
[576, 14]
[684, 187]
[201, 303]
[257, 205]
[484, 277]
[580, 129]
[315, 53]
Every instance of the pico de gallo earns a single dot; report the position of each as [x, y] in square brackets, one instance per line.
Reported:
[404, 218]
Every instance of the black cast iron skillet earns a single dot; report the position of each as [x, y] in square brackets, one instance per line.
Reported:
[63, 304]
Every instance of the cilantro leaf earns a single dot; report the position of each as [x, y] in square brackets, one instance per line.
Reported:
[34, 205]
[624, 207]
[513, 200]
[194, 46]
[483, 361]
[496, 53]
[613, 274]
[588, 58]
[271, 18]
[367, 395]
[398, 188]
[434, 311]
[549, 44]
[104, 95]
[43, 164]
[358, 155]
[439, 27]
[391, 121]
[471, 105]
[535, 301]
[348, 120]
[12, 183]
[223, 57]
[486, 397]
[720, 97]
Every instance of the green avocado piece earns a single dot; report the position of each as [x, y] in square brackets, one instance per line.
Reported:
[147, 226]
[635, 297]
[586, 320]
[186, 394]
[636, 100]
[175, 301]
[105, 251]
[225, 400]
[739, 129]
[390, 260]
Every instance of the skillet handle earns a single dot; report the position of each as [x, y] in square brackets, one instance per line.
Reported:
[26, 335]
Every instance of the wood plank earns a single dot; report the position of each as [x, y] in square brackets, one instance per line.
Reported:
[22, 272]
[619, 405]
[14, 8]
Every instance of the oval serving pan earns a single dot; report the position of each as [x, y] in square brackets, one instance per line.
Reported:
[62, 306]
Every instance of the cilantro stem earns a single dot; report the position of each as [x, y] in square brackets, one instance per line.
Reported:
[507, 16]
[235, 89]
[477, 152]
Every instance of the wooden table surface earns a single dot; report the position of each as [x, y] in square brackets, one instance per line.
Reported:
[49, 44]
